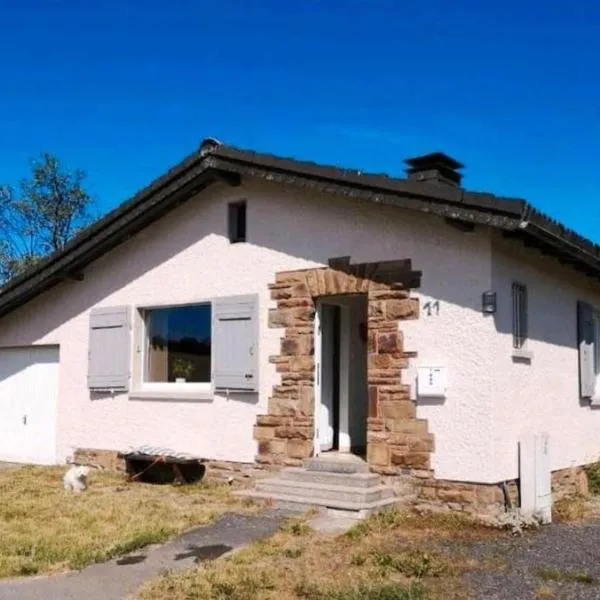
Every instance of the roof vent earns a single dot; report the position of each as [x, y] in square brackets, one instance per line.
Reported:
[437, 168]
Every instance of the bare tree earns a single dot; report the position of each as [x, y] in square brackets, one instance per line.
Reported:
[50, 207]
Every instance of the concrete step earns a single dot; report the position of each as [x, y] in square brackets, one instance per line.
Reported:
[357, 480]
[358, 510]
[334, 464]
[334, 493]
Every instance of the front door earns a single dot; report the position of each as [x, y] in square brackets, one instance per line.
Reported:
[326, 377]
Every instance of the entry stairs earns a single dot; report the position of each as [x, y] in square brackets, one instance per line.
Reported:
[340, 482]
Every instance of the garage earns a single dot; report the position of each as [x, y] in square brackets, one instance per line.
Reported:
[28, 404]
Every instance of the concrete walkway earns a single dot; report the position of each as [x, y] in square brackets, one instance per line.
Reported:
[119, 579]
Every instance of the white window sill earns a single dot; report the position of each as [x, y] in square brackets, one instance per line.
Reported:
[522, 355]
[175, 392]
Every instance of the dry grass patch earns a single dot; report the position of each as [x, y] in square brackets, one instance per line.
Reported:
[570, 510]
[388, 557]
[561, 575]
[45, 529]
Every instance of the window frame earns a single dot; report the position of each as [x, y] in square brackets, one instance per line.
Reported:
[169, 386]
[520, 321]
[233, 218]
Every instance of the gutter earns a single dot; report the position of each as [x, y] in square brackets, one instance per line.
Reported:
[542, 232]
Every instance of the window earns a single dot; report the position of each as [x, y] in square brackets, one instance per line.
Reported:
[596, 317]
[236, 217]
[519, 300]
[588, 333]
[178, 344]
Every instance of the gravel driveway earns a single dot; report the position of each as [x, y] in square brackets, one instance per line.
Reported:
[559, 562]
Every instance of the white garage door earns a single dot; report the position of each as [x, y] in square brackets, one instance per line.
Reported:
[28, 404]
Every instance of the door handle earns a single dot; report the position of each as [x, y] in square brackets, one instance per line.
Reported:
[24, 419]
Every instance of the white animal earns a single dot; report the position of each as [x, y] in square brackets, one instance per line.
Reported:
[75, 479]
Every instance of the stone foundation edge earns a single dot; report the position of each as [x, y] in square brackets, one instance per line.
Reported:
[433, 495]
[481, 499]
[110, 460]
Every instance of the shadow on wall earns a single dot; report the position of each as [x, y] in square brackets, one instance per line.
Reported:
[453, 263]
[552, 292]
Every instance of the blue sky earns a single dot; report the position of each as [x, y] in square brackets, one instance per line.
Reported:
[126, 89]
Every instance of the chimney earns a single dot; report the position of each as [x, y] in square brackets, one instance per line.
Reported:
[437, 168]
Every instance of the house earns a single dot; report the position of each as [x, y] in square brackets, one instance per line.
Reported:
[246, 307]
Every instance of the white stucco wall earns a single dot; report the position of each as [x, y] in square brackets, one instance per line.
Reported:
[542, 396]
[186, 257]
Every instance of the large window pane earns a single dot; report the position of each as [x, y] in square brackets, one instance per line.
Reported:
[179, 342]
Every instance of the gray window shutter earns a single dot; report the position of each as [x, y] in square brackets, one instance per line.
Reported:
[109, 355]
[586, 337]
[235, 343]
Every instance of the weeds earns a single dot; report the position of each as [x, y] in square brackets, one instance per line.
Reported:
[554, 574]
[568, 510]
[415, 563]
[593, 475]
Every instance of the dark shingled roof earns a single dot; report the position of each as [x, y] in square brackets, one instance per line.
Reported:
[215, 161]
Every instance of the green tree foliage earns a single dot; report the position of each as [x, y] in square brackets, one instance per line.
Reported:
[39, 217]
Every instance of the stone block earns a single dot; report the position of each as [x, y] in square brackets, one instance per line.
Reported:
[489, 494]
[290, 277]
[382, 376]
[281, 293]
[312, 283]
[458, 495]
[404, 409]
[301, 363]
[286, 406]
[384, 326]
[394, 392]
[273, 447]
[294, 303]
[372, 342]
[377, 436]
[415, 460]
[389, 343]
[376, 310]
[281, 317]
[428, 493]
[388, 294]
[294, 431]
[300, 330]
[300, 290]
[402, 309]
[375, 424]
[264, 434]
[417, 427]
[303, 314]
[378, 454]
[299, 448]
[380, 361]
[373, 400]
[420, 444]
[272, 420]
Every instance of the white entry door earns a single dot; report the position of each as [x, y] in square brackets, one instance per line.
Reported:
[324, 422]
[28, 404]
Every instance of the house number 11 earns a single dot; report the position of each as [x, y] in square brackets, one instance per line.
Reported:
[432, 308]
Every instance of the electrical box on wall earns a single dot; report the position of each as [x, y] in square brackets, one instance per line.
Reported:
[431, 382]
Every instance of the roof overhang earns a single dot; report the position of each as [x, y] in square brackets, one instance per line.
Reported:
[215, 162]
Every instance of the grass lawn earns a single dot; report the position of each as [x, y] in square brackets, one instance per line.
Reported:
[44, 529]
[388, 557]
